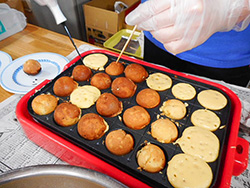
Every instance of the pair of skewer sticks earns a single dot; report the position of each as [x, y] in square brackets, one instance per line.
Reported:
[126, 44]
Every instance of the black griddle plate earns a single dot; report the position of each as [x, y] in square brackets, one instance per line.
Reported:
[128, 163]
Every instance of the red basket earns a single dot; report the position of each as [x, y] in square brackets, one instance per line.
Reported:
[235, 152]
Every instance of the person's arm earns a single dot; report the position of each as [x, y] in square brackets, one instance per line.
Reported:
[184, 24]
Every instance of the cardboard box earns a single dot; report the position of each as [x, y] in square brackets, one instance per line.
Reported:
[102, 21]
[97, 37]
[16, 4]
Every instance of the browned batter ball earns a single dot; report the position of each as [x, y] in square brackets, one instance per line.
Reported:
[101, 80]
[119, 142]
[64, 86]
[136, 117]
[123, 87]
[115, 68]
[67, 114]
[136, 72]
[32, 67]
[108, 105]
[92, 126]
[81, 73]
[44, 104]
[148, 98]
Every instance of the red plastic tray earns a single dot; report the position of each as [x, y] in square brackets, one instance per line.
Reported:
[235, 152]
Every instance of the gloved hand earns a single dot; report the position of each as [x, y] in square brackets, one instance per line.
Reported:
[54, 8]
[184, 24]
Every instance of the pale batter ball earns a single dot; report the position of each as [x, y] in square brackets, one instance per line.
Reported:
[95, 61]
[212, 99]
[164, 130]
[151, 158]
[206, 119]
[159, 81]
[199, 142]
[184, 91]
[189, 171]
[85, 96]
[174, 109]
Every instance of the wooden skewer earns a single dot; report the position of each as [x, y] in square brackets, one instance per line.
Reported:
[126, 44]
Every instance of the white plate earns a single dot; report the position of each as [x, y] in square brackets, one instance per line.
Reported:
[5, 59]
[14, 80]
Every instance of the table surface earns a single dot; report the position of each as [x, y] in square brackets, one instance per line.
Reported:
[35, 39]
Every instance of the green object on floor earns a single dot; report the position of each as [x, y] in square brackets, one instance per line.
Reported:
[118, 40]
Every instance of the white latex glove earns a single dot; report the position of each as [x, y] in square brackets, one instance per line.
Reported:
[184, 24]
[54, 8]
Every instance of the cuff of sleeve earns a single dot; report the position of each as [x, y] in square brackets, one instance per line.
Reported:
[242, 25]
